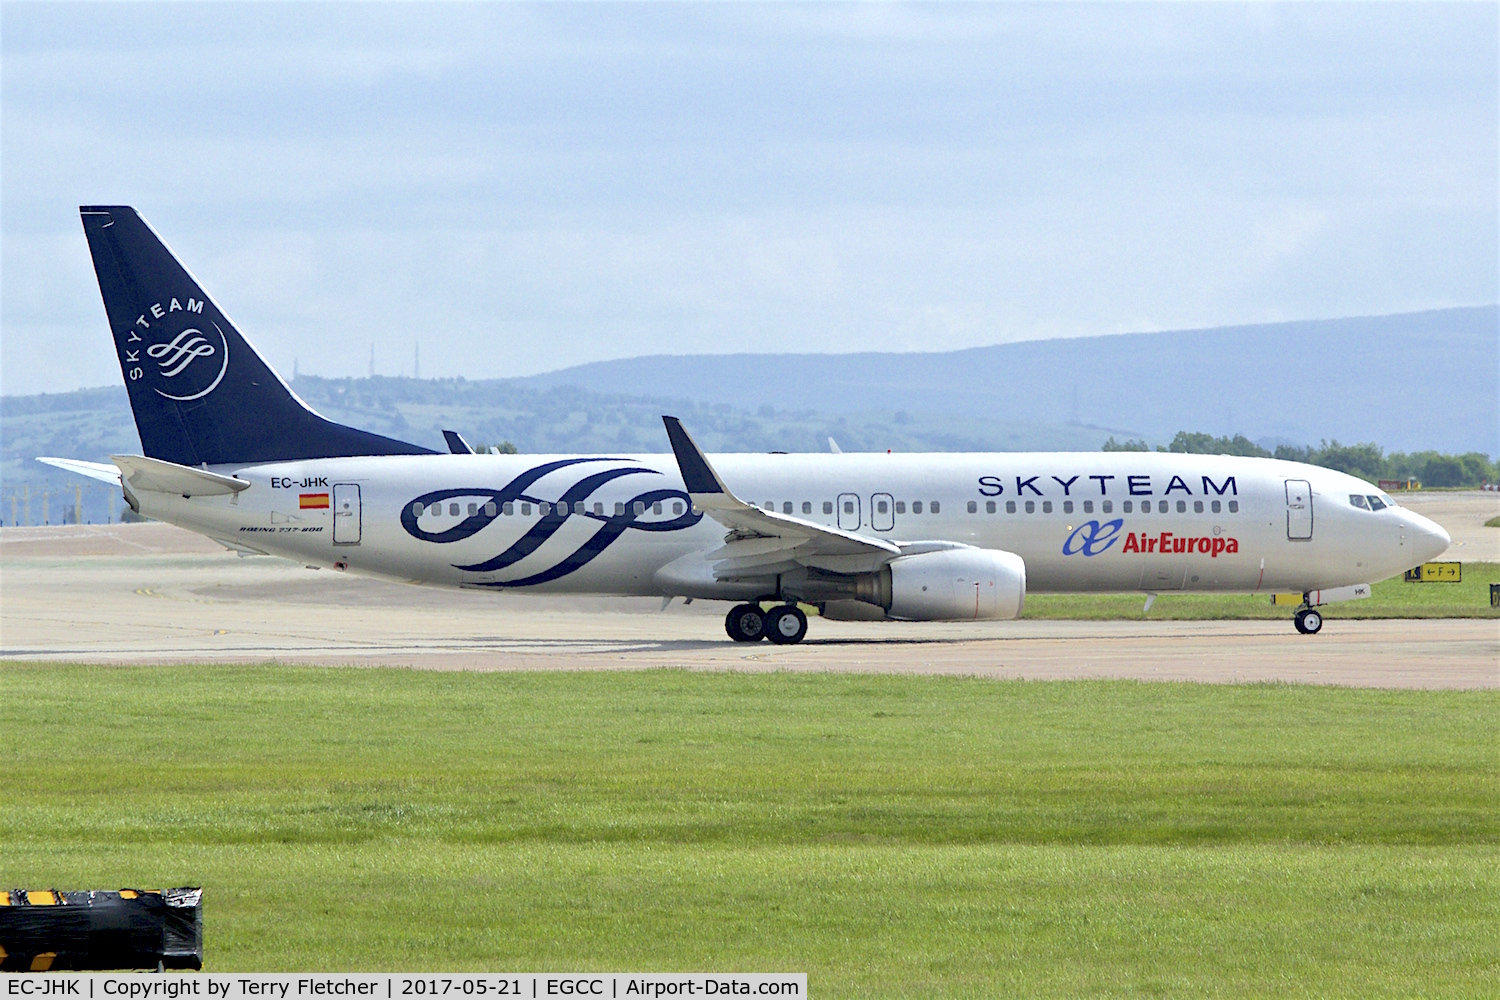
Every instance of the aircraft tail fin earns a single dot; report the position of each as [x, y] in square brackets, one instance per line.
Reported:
[200, 393]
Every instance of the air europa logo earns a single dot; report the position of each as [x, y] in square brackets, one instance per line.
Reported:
[1091, 538]
[190, 358]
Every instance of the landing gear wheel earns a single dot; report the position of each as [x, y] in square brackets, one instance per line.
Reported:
[745, 623]
[786, 625]
[1308, 621]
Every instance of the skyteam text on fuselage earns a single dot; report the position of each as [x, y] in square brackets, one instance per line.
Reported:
[231, 452]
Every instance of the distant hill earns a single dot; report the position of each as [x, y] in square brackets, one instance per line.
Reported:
[1409, 382]
[92, 424]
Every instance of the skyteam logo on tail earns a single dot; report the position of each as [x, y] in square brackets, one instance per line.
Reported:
[185, 359]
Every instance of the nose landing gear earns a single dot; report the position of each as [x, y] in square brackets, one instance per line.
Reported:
[1308, 621]
[784, 626]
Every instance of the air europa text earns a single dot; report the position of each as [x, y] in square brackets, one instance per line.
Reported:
[1166, 542]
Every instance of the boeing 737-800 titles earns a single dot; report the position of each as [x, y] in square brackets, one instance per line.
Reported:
[231, 452]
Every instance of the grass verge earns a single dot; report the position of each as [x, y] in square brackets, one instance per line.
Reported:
[892, 836]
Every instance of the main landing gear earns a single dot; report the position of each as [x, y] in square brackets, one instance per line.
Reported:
[783, 625]
[1308, 621]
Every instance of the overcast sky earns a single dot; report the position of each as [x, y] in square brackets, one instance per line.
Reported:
[520, 188]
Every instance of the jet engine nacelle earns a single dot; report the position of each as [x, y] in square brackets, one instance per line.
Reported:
[956, 585]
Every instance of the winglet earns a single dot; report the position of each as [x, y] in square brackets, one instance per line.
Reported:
[456, 443]
[697, 475]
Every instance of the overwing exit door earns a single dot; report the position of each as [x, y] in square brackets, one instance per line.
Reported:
[849, 515]
[346, 514]
[1299, 512]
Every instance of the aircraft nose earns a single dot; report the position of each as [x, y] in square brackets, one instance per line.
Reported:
[1428, 538]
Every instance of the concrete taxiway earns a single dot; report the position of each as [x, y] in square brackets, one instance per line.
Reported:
[150, 593]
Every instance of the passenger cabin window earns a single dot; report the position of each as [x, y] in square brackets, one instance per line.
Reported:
[544, 509]
[509, 508]
[806, 507]
[416, 509]
[828, 506]
[619, 509]
[1088, 506]
[786, 508]
[453, 510]
[916, 506]
[1031, 506]
[1010, 506]
[526, 510]
[490, 509]
[1161, 507]
[935, 506]
[1214, 506]
[989, 506]
[598, 507]
[900, 506]
[1377, 504]
[1108, 507]
[639, 507]
[882, 506]
[1046, 506]
[1067, 506]
[1234, 506]
[473, 509]
[1181, 506]
[656, 508]
[1197, 506]
[1127, 505]
[973, 507]
[677, 508]
[848, 506]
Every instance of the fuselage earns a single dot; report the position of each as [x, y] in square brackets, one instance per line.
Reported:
[1109, 521]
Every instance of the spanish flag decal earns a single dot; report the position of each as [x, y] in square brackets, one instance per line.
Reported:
[313, 501]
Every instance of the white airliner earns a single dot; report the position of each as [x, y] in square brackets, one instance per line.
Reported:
[232, 453]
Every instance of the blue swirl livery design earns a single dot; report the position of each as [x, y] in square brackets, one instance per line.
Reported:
[612, 526]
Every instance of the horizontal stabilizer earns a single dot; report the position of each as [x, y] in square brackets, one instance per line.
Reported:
[94, 470]
[152, 475]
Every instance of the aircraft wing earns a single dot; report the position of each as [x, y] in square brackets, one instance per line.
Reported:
[94, 470]
[759, 541]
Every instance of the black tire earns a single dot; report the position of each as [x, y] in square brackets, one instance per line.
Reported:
[745, 623]
[786, 625]
[1312, 621]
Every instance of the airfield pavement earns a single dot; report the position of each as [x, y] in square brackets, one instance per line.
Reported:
[144, 593]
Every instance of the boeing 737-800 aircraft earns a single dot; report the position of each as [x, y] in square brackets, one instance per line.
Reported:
[231, 452]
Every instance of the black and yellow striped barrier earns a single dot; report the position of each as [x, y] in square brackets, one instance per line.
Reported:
[43, 930]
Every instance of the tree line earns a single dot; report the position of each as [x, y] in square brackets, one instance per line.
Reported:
[1367, 461]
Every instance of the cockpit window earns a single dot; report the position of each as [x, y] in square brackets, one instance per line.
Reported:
[1358, 501]
[1377, 504]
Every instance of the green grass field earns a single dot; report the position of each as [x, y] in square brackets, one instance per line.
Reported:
[891, 836]
[1393, 598]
